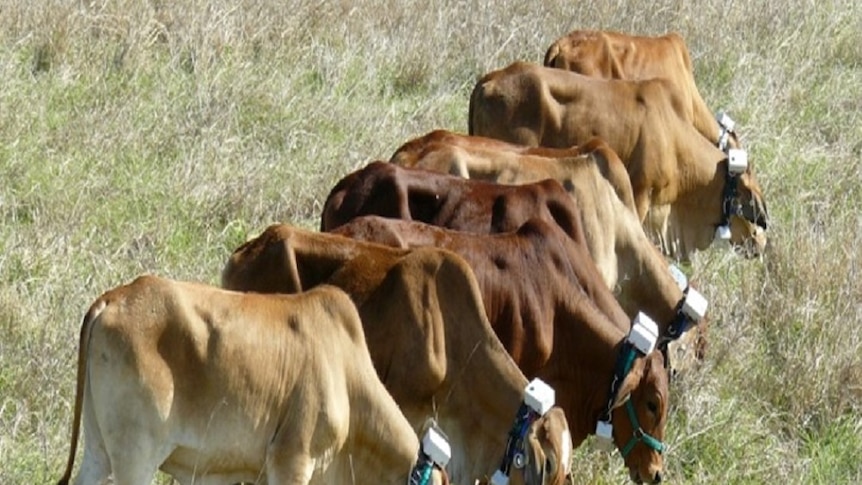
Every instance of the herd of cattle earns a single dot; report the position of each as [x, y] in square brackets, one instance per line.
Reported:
[440, 283]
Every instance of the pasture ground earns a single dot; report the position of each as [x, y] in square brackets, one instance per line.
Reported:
[156, 136]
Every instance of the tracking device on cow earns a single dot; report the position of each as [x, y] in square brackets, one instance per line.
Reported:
[725, 121]
[436, 446]
[539, 396]
[694, 305]
[722, 233]
[605, 436]
[644, 334]
[679, 277]
[725, 129]
[737, 161]
[434, 450]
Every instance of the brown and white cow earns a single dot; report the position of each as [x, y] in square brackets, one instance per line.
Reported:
[582, 357]
[213, 386]
[616, 55]
[684, 187]
[427, 333]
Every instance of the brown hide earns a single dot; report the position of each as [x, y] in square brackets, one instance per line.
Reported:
[389, 293]
[424, 323]
[596, 179]
[677, 175]
[615, 55]
[530, 279]
[448, 201]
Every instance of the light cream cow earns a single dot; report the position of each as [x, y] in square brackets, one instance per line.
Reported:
[220, 387]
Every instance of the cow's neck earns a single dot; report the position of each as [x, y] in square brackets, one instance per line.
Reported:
[694, 215]
[382, 444]
[645, 282]
[319, 255]
[478, 403]
[582, 373]
[704, 120]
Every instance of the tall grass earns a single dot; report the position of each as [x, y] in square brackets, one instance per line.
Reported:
[156, 136]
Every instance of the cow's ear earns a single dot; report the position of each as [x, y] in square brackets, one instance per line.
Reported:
[631, 382]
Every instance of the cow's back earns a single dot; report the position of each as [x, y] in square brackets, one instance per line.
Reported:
[533, 105]
[615, 55]
[526, 277]
[449, 201]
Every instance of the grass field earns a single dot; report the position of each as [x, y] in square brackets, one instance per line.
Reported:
[153, 137]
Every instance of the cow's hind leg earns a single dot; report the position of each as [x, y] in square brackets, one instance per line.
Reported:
[96, 466]
[135, 461]
[289, 468]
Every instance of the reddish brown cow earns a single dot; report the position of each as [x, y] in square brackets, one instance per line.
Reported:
[551, 271]
[390, 191]
[641, 274]
[596, 179]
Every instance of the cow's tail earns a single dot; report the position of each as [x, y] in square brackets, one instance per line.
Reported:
[471, 109]
[83, 351]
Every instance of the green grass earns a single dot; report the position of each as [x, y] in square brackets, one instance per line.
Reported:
[155, 137]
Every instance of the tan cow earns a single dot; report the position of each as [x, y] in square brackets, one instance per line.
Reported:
[213, 386]
[684, 187]
[426, 331]
[433, 291]
[596, 179]
[615, 55]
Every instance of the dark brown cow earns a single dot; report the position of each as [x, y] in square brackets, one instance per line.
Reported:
[388, 190]
[682, 184]
[580, 357]
[640, 273]
[596, 179]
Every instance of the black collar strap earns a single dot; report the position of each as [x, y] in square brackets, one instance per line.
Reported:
[538, 400]
[737, 164]
[690, 309]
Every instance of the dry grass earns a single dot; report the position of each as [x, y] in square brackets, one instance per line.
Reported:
[154, 137]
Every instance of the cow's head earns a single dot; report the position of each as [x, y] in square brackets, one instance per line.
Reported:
[639, 419]
[744, 208]
[547, 457]
[548, 452]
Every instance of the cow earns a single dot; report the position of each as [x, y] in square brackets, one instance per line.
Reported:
[615, 55]
[581, 358]
[593, 216]
[388, 190]
[685, 188]
[429, 339]
[213, 386]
